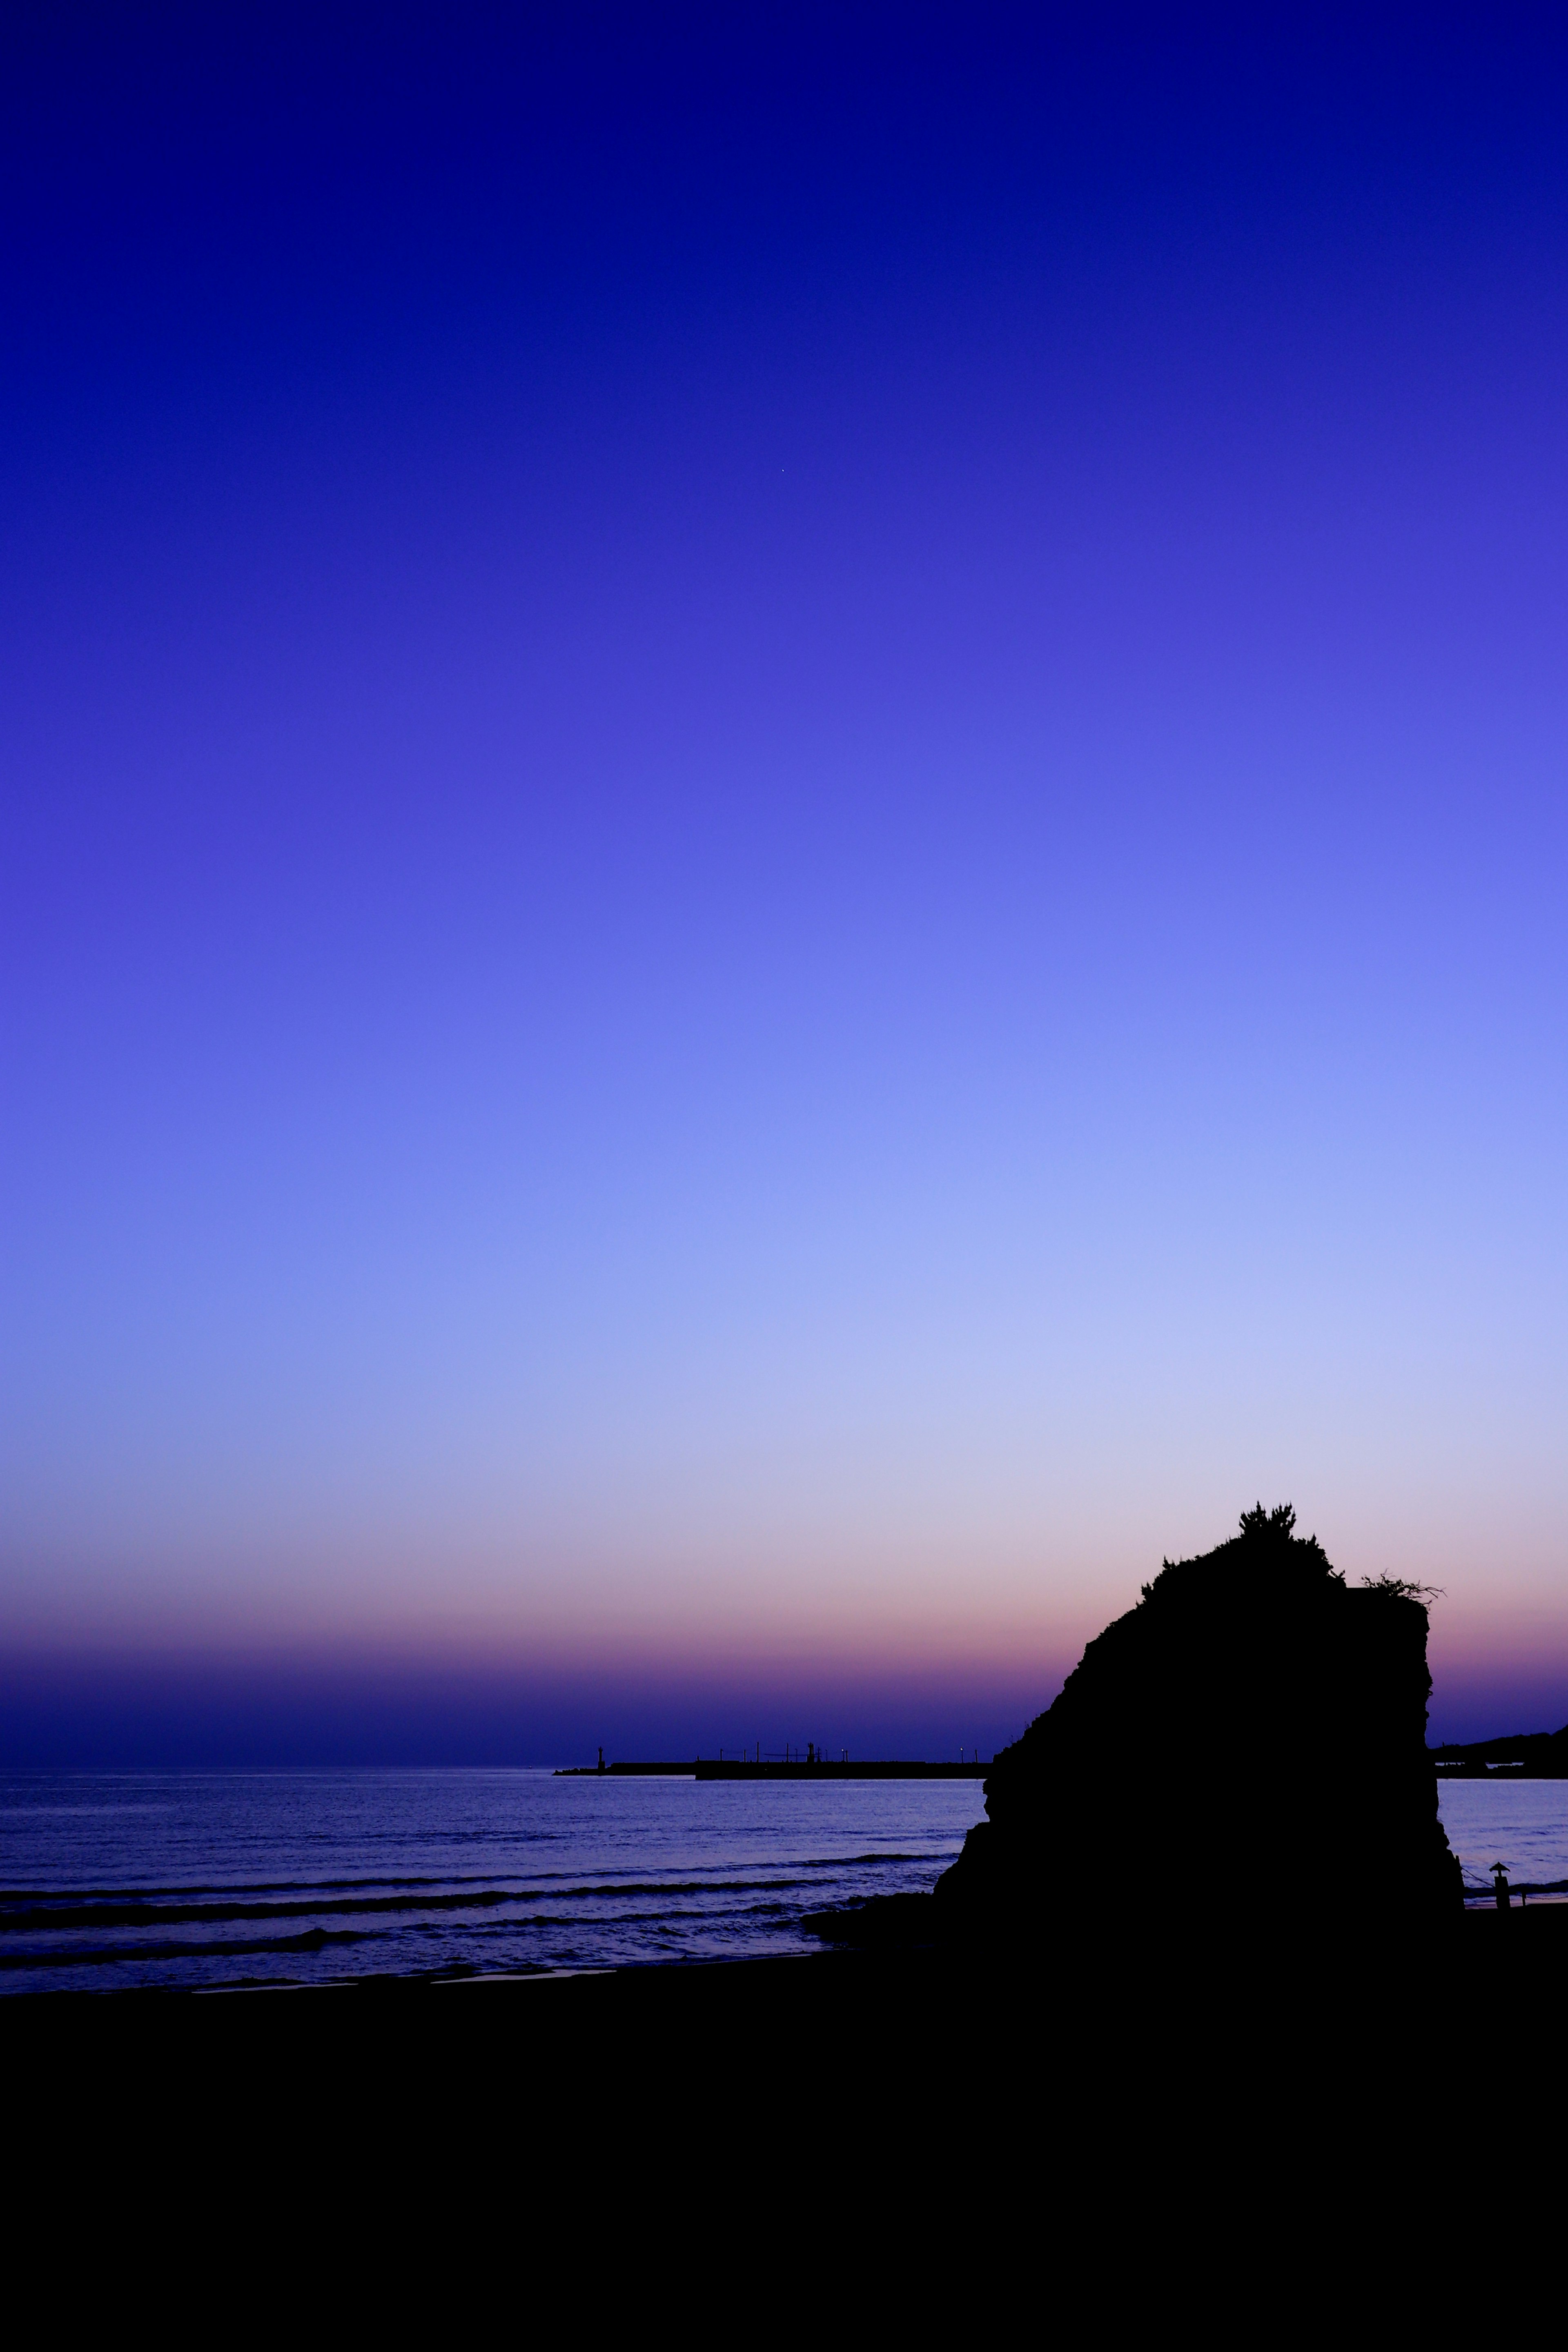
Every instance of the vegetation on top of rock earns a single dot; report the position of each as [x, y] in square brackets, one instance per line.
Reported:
[1402, 1587]
[1267, 1543]
[1266, 1537]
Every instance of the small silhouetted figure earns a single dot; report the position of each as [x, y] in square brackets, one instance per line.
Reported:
[601, 1760]
[1499, 1881]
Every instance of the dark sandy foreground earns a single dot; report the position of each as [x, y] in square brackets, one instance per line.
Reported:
[783, 2144]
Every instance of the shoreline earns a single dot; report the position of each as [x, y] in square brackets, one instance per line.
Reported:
[1494, 1942]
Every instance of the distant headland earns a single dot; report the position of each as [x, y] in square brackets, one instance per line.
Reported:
[1531, 1755]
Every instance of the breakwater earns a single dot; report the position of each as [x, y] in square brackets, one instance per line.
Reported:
[701, 1768]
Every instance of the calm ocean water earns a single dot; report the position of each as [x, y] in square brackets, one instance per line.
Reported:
[1524, 1823]
[118, 1879]
[114, 1879]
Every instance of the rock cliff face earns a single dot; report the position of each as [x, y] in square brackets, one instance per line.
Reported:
[1248, 1744]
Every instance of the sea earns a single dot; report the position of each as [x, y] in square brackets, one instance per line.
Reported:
[120, 1881]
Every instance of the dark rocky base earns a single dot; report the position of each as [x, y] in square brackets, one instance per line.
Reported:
[911, 1923]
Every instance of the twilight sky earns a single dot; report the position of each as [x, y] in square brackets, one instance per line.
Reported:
[784, 859]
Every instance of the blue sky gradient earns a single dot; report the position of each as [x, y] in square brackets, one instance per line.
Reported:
[784, 856]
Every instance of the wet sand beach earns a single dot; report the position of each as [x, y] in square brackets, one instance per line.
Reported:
[890, 2142]
[867, 2035]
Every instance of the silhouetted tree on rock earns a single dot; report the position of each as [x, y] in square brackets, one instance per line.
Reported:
[1247, 1744]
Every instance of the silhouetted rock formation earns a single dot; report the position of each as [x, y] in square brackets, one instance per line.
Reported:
[1249, 1745]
